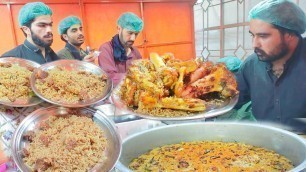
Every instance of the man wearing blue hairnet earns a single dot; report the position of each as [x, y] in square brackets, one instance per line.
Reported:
[273, 78]
[117, 54]
[36, 24]
[71, 31]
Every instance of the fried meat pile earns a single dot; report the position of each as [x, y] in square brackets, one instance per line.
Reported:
[166, 82]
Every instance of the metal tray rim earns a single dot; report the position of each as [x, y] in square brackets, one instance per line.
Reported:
[201, 115]
[36, 100]
[17, 137]
[95, 68]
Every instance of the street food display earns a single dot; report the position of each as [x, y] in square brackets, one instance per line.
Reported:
[165, 86]
[71, 83]
[210, 156]
[15, 87]
[68, 143]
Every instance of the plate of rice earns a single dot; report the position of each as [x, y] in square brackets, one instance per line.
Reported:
[64, 139]
[15, 87]
[71, 83]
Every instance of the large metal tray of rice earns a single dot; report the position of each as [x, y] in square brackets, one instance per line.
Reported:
[71, 83]
[15, 88]
[65, 139]
[177, 149]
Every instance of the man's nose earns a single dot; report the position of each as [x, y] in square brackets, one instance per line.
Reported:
[133, 37]
[255, 42]
[80, 32]
[49, 29]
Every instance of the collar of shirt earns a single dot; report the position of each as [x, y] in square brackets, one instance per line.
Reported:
[35, 48]
[78, 54]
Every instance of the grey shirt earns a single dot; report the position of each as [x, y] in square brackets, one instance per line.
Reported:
[281, 100]
[70, 52]
[31, 52]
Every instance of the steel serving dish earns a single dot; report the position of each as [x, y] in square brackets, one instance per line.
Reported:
[74, 65]
[23, 63]
[283, 142]
[211, 110]
[30, 123]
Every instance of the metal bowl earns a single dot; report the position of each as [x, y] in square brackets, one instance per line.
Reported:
[73, 65]
[283, 142]
[23, 63]
[32, 121]
[211, 111]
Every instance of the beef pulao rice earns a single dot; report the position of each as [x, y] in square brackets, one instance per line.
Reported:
[210, 156]
[15, 82]
[70, 86]
[66, 143]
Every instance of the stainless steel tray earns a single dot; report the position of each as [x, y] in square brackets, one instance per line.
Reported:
[74, 65]
[30, 123]
[23, 63]
[283, 142]
[211, 111]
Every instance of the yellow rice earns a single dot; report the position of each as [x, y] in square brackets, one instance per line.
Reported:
[66, 86]
[15, 83]
[89, 148]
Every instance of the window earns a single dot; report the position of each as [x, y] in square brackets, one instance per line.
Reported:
[222, 28]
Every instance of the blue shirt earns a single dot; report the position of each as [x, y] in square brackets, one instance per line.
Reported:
[279, 100]
[31, 52]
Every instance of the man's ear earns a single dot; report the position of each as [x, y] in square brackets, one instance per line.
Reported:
[119, 28]
[289, 37]
[65, 36]
[26, 30]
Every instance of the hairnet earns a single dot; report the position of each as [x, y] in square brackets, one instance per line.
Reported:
[232, 63]
[67, 22]
[130, 21]
[282, 13]
[32, 10]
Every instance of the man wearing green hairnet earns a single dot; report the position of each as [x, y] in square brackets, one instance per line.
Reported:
[71, 31]
[117, 54]
[273, 78]
[36, 23]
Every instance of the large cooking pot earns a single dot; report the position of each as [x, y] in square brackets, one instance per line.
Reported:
[283, 142]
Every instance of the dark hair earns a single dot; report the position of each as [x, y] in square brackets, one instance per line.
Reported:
[283, 30]
[28, 24]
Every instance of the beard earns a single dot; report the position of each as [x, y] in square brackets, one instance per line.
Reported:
[126, 44]
[41, 42]
[76, 42]
[278, 52]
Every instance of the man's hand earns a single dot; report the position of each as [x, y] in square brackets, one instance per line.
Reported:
[89, 58]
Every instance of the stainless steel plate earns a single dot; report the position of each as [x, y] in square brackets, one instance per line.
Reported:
[211, 111]
[31, 122]
[23, 63]
[283, 142]
[73, 65]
